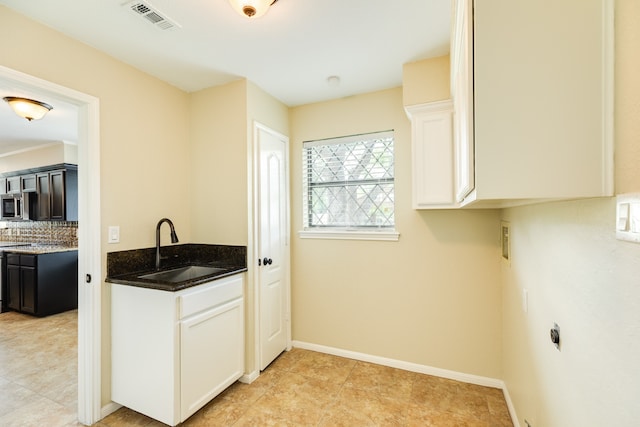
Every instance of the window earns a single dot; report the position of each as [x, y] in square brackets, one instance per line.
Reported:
[348, 186]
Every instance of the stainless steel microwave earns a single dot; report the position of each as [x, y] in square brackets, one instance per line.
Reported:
[12, 207]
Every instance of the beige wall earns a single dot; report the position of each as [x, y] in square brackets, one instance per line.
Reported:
[426, 81]
[432, 298]
[49, 154]
[578, 275]
[218, 175]
[143, 135]
[221, 126]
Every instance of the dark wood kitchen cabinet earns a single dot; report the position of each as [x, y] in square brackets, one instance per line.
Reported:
[13, 185]
[42, 284]
[57, 195]
[28, 183]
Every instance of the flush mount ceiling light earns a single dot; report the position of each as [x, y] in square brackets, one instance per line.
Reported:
[252, 8]
[28, 108]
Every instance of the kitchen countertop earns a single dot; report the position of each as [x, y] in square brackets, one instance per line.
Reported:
[34, 248]
[134, 279]
[126, 267]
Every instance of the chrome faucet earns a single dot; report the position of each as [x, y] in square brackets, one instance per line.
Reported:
[174, 238]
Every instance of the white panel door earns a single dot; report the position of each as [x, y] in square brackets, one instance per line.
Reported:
[272, 245]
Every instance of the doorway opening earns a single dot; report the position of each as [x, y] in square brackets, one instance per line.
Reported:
[89, 243]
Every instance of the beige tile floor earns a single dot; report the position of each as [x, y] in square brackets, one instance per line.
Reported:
[301, 388]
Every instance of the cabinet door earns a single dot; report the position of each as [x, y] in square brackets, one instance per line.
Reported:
[13, 286]
[462, 94]
[44, 196]
[211, 354]
[29, 290]
[13, 185]
[432, 155]
[28, 183]
[3, 186]
[56, 179]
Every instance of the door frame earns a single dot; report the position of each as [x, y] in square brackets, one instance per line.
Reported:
[253, 244]
[89, 239]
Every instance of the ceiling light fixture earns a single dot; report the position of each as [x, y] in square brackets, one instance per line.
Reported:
[28, 108]
[252, 8]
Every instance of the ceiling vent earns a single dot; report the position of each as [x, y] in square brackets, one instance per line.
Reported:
[152, 15]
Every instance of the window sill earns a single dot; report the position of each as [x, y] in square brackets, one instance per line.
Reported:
[387, 235]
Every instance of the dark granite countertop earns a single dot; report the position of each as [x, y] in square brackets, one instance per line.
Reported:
[126, 267]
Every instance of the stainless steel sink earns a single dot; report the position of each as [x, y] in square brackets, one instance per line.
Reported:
[182, 274]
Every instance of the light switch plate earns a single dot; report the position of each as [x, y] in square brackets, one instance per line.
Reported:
[114, 234]
[628, 217]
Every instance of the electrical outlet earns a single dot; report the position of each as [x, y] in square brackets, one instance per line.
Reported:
[114, 234]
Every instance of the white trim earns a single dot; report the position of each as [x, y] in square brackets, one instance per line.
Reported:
[249, 377]
[608, 93]
[109, 409]
[512, 409]
[349, 139]
[33, 148]
[89, 239]
[392, 236]
[400, 364]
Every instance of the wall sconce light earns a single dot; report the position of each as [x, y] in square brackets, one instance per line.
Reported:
[252, 8]
[28, 108]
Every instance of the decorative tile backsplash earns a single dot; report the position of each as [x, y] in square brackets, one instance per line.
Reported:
[63, 233]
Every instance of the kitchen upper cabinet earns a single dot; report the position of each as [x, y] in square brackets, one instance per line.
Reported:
[28, 183]
[531, 83]
[57, 195]
[43, 205]
[432, 155]
[13, 185]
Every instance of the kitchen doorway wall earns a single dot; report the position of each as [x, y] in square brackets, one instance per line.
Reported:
[89, 242]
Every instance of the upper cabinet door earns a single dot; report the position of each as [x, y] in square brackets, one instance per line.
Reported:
[532, 86]
[432, 168]
[462, 95]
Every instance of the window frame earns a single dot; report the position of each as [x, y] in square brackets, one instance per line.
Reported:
[388, 233]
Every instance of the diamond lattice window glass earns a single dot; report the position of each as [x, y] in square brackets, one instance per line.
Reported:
[348, 182]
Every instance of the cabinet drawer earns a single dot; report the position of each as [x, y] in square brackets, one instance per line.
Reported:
[210, 295]
[28, 260]
[13, 259]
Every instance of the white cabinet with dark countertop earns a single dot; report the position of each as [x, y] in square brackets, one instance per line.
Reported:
[177, 334]
[172, 352]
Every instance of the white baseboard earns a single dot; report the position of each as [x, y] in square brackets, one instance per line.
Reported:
[109, 409]
[250, 377]
[512, 409]
[407, 366]
[415, 367]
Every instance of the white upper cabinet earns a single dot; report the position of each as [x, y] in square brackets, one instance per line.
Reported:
[432, 153]
[532, 90]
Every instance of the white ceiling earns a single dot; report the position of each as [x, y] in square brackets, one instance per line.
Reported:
[289, 52]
